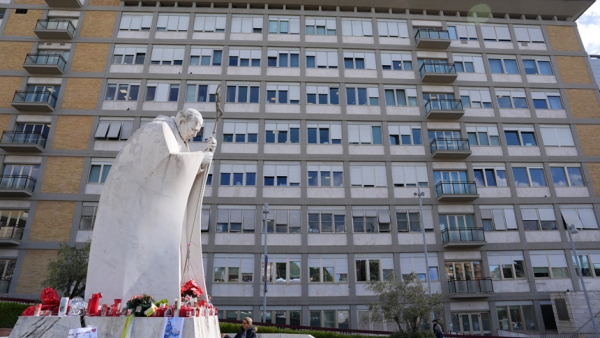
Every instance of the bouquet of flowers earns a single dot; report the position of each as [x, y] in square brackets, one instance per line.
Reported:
[140, 304]
[192, 289]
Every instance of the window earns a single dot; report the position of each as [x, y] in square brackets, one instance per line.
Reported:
[172, 22]
[444, 135]
[367, 176]
[521, 136]
[320, 26]
[244, 57]
[246, 24]
[234, 314]
[516, 317]
[461, 31]
[482, 135]
[565, 175]
[120, 91]
[282, 268]
[415, 262]
[31, 133]
[362, 96]
[400, 97]
[464, 270]
[13, 175]
[392, 28]
[162, 92]
[322, 94]
[282, 132]
[240, 131]
[506, 265]
[99, 171]
[210, 23]
[364, 133]
[7, 269]
[199, 92]
[498, 218]
[456, 222]
[359, 60]
[243, 93]
[124, 55]
[235, 219]
[405, 134]
[281, 174]
[283, 58]
[582, 216]
[590, 264]
[503, 65]
[237, 174]
[357, 27]
[321, 59]
[109, 129]
[330, 318]
[206, 56]
[538, 218]
[406, 175]
[396, 61]
[546, 100]
[283, 317]
[538, 65]
[409, 220]
[283, 93]
[490, 176]
[370, 221]
[135, 22]
[531, 34]
[325, 175]
[549, 264]
[13, 219]
[42, 93]
[283, 221]
[88, 216]
[475, 98]
[373, 267]
[557, 136]
[495, 33]
[468, 63]
[327, 268]
[326, 221]
[232, 268]
[204, 133]
[324, 133]
[529, 176]
[284, 24]
[172, 55]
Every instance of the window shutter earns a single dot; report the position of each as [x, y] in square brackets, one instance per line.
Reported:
[294, 174]
[136, 22]
[205, 219]
[355, 175]
[236, 25]
[115, 128]
[294, 25]
[223, 216]
[397, 175]
[146, 21]
[498, 217]
[157, 53]
[322, 59]
[535, 34]
[332, 59]
[393, 29]
[357, 28]
[384, 216]
[570, 217]
[410, 175]
[565, 137]
[522, 34]
[249, 219]
[529, 214]
[184, 22]
[380, 176]
[588, 218]
[336, 131]
[367, 28]
[502, 33]
[353, 133]
[295, 218]
[199, 22]
[330, 24]
[538, 260]
[125, 22]
[511, 220]
[172, 22]
[428, 218]
[102, 129]
[547, 214]
[257, 22]
[365, 134]
[247, 265]
[341, 265]
[557, 260]
[422, 173]
[488, 32]
[220, 22]
[346, 27]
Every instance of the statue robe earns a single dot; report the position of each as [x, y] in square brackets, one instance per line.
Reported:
[149, 210]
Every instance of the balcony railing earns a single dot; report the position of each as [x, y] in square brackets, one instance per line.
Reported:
[45, 63]
[449, 105]
[17, 182]
[4, 286]
[473, 286]
[437, 68]
[463, 236]
[449, 144]
[21, 139]
[432, 38]
[15, 233]
[54, 29]
[455, 188]
[43, 101]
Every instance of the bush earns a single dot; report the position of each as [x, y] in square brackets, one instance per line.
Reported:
[232, 328]
[418, 334]
[10, 312]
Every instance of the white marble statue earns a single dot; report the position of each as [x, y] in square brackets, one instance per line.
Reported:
[149, 213]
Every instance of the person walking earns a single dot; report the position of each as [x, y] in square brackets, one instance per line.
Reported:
[437, 329]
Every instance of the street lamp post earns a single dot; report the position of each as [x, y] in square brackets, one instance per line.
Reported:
[573, 230]
[420, 194]
[265, 211]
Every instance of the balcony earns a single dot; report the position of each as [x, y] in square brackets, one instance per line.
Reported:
[10, 236]
[447, 109]
[435, 71]
[44, 64]
[473, 237]
[34, 101]
[23, 142]
[456, 191]
[4, 286]
[479, 287]
[432, 38]
[17, 185]
[62, 29]
[455, 148]
[63, 3]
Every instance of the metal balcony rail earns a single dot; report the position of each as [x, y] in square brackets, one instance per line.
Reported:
[30, 97]
[437, 68]
[431, 33]
[443, 104]
[17, 182]
[455, 188]
[46, 59]
[477, 285]
[56, 24]
[449, 144]
[463, 235]
[8, 232]
[20, 137]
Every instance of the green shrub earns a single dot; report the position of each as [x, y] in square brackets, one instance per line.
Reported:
[10, 312]
[231, 328]
[418, 334]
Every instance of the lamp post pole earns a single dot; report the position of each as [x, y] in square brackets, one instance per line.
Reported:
[265, 211]
[573, 230]
[420, 194]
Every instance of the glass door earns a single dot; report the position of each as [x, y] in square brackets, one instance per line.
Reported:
[471, 323]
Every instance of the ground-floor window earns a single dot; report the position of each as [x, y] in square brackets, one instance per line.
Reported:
[471, 323]
[283, 317]
[516, 318]
[330, 318]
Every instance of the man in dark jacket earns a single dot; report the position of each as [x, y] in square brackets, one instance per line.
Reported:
[437, 329]
[247, 330]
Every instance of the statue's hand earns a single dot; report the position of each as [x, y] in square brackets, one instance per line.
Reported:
[211, 144]
[208, 156]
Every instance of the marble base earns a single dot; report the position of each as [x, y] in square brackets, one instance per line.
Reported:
[112, 327]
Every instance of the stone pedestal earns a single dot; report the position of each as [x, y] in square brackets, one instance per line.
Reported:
[112, 327]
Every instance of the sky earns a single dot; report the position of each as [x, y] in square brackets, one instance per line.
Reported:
[589, 29]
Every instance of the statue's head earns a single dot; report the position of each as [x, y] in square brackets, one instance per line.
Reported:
[189, 122]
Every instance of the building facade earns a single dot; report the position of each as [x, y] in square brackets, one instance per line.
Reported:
[336, 114]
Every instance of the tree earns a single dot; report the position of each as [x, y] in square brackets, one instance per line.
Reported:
[67, 273]
[406, 302]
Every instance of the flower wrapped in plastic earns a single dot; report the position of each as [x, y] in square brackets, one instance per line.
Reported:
[140, 303]
[192, 289]
[50, 301]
